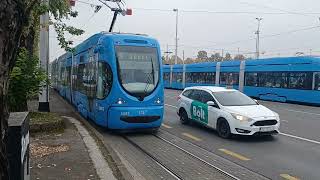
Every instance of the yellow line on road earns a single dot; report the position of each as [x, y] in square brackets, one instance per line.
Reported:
[288, 177]
[233, 154]
[191, 136]
[166, 126]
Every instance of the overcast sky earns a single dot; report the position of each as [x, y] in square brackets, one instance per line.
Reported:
[287, 26]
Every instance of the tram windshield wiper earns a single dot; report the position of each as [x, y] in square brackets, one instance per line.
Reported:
[148, 81]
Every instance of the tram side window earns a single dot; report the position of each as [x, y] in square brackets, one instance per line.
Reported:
[74, 78]
[177, 77]
[300, 80]
[200, 77]
[80, 76]
[251, 79]
[104, 80]
[229, 78]
[91, 79]
[68, 78]
[188, 77]
[273, 79]
[166, 76]
[317, 81]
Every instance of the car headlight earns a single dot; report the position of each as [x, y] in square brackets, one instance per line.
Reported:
[276, 115]
[241, 117]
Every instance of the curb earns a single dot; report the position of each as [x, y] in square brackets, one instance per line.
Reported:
[116, 165]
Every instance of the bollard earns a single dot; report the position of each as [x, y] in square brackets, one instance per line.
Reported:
[18, 146]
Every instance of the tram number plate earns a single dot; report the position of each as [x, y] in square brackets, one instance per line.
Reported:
[266, 129]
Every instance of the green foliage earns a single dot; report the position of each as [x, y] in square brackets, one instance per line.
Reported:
[61, 11]
[25, 80]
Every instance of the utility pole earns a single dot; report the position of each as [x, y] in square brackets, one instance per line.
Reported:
[167, 53]
[183, 57]
[258, 38]
[44, 58]
[222, 54]
[176, 50]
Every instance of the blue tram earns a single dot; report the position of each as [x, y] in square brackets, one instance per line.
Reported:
[114, 79]
[285, 79]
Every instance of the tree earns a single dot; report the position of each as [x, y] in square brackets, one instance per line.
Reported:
[188, 61]
[239, 57]
[216, 57]
[26, 78]
[202, 55]
[227, 57]
[18, 29]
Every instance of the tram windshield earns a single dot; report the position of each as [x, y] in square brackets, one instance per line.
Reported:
[138, 69]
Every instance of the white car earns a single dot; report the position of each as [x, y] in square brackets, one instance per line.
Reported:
[227, 110]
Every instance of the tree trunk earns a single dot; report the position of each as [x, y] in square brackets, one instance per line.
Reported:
[13, 18]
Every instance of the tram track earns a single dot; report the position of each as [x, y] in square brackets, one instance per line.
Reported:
[162, 165]
[141, 143]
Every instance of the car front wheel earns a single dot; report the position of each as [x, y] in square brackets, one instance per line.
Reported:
[224, 129]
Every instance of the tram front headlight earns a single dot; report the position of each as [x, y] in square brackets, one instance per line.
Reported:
[120, 101]
[158, 101]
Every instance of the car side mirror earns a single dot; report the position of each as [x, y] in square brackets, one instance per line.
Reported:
[211, 103]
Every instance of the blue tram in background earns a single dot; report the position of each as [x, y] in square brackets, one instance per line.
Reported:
[286, 79]
[114, 79]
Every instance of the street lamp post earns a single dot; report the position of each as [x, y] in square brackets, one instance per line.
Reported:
[258, 38]
[176, 44]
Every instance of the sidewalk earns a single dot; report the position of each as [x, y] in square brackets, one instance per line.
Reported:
[69, 154]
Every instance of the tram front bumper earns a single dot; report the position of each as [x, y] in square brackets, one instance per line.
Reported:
[135, 117]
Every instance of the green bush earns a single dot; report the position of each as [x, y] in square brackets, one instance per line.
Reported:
[25, 80]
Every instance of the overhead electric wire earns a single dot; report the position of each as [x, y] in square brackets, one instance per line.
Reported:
[250, 39]
[278, 9]
[219, 12]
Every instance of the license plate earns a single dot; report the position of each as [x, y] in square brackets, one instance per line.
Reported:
[266, 129]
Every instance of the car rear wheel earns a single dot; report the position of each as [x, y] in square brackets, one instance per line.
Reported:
[184, 117]
[224, 129]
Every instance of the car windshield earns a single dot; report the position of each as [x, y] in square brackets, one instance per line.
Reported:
[138, 69]
[233, 98]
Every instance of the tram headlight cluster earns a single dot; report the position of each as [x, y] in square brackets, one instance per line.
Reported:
[158, 101]
[120, 101]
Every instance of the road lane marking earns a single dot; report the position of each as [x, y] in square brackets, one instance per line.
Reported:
[288, 177]
[171, 106]
[233, 154]
[166, 126]
[300, 138]
[191, 136]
